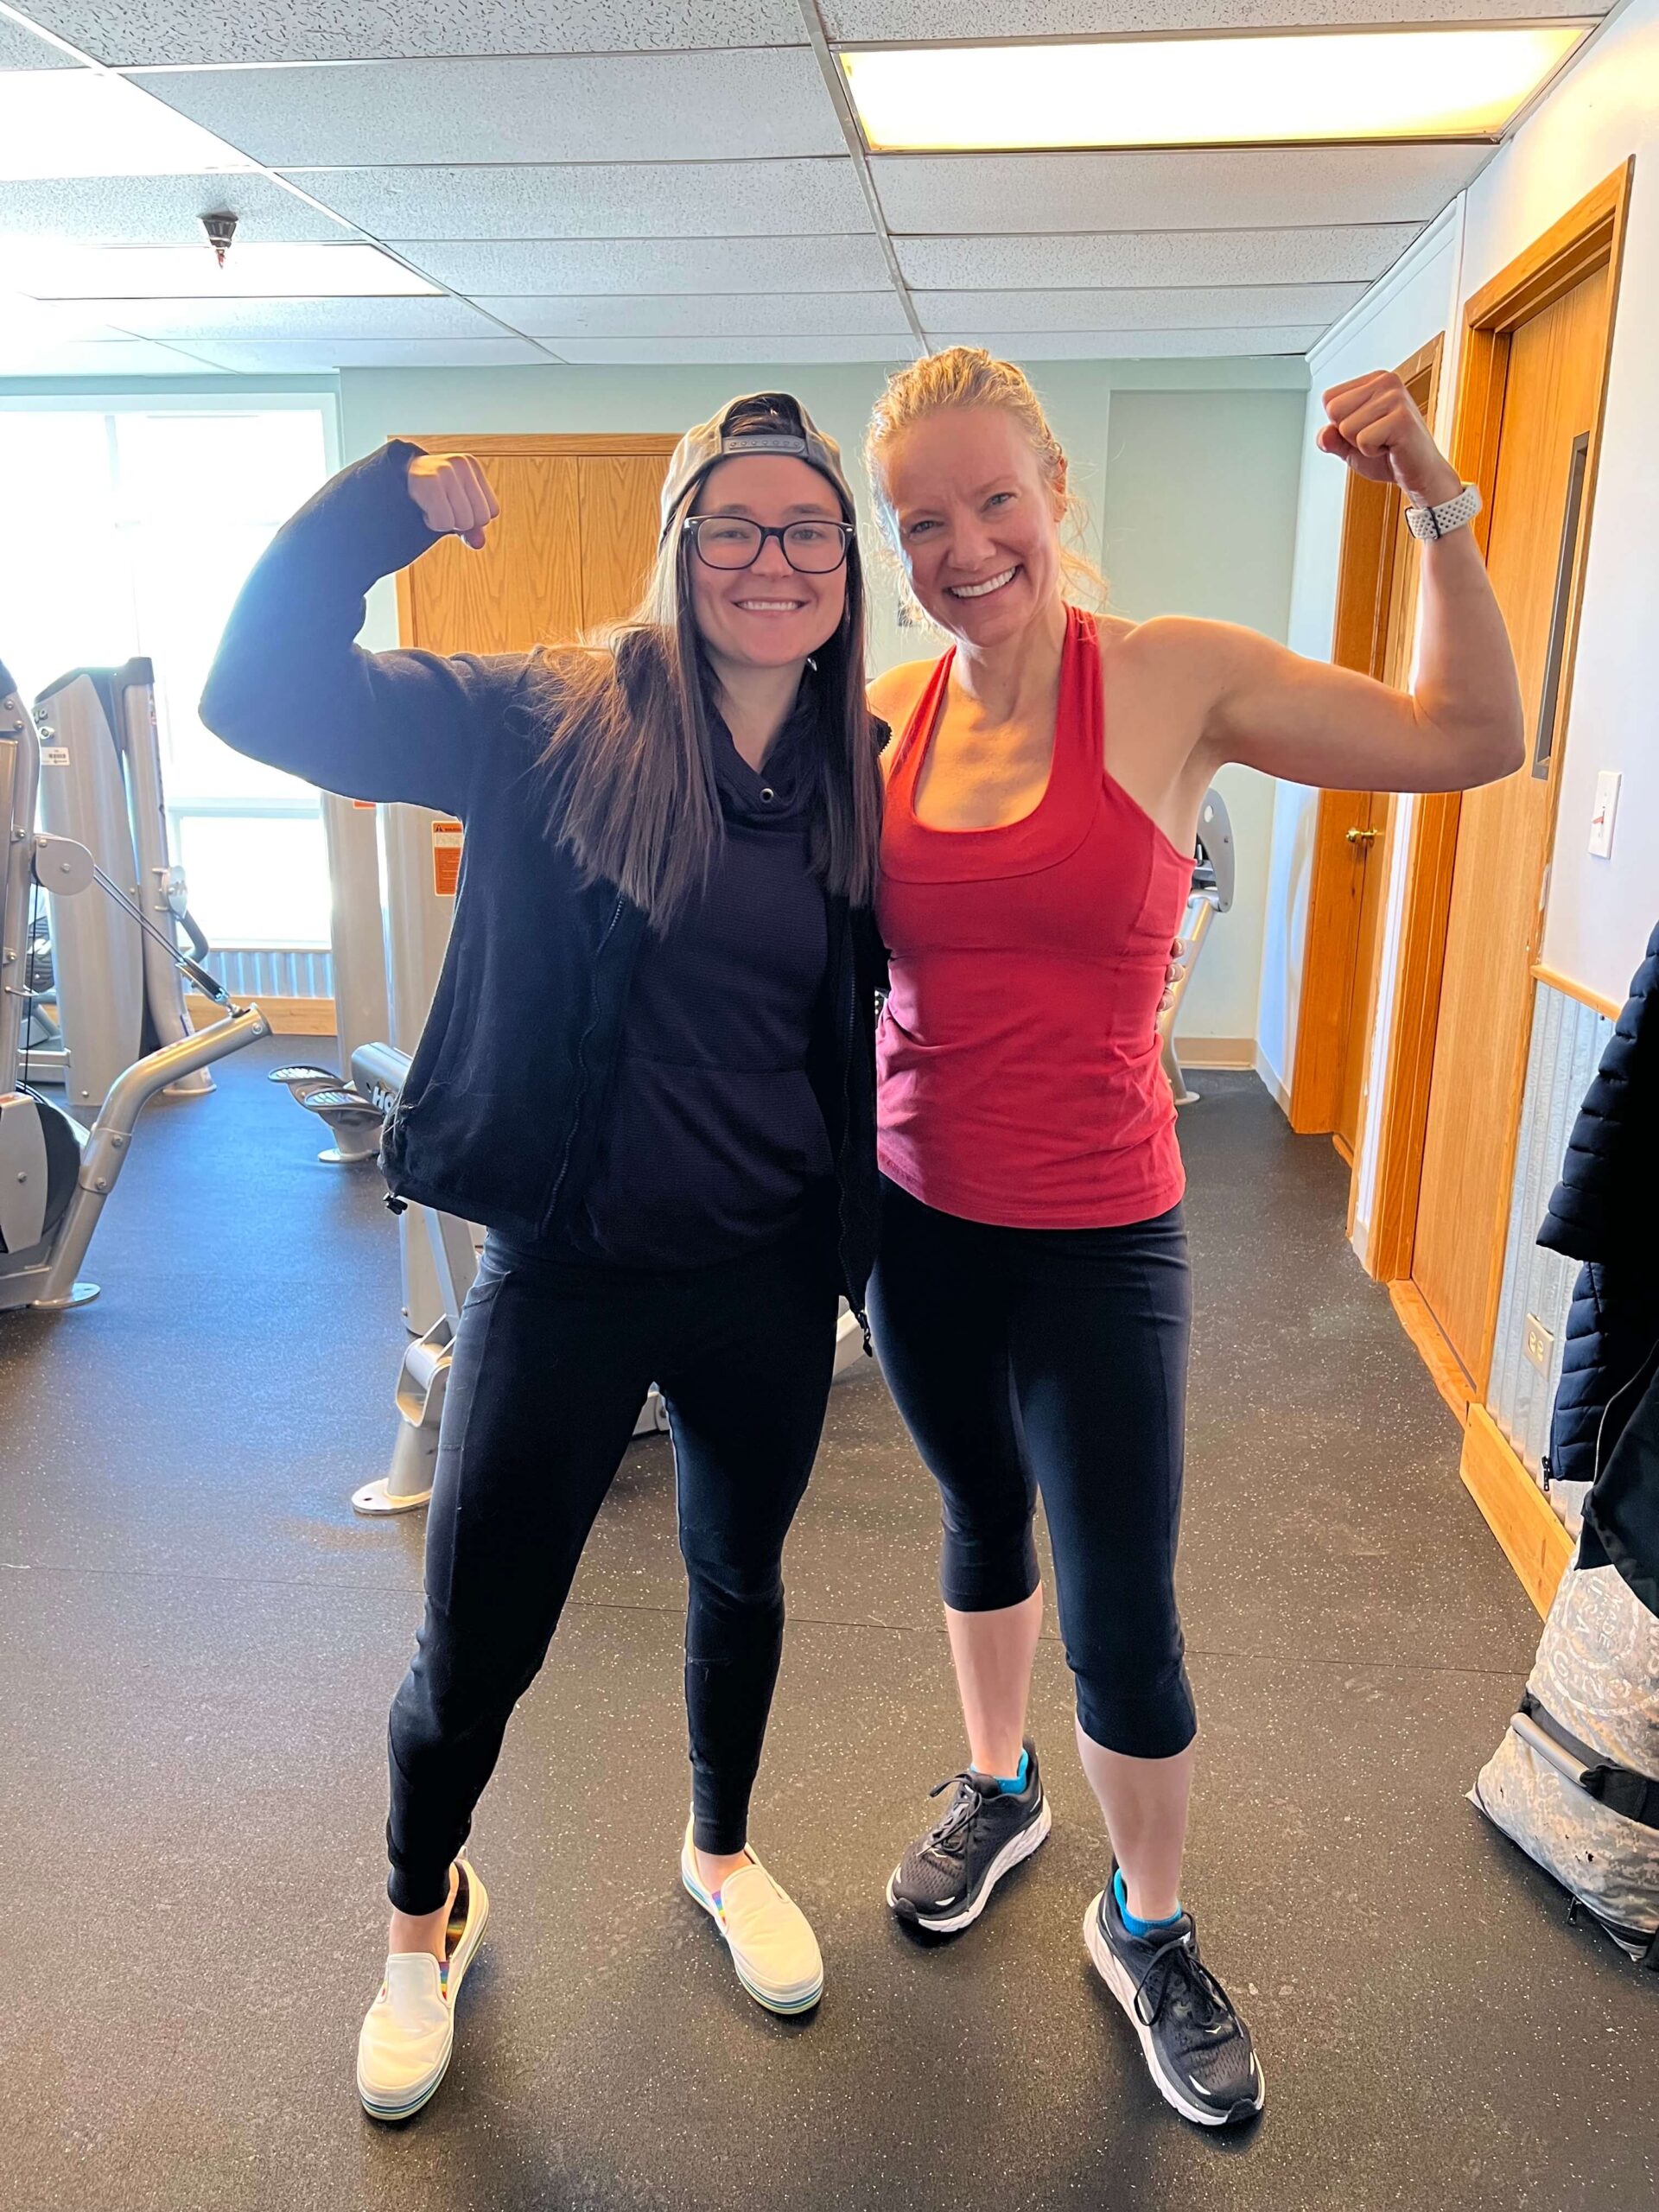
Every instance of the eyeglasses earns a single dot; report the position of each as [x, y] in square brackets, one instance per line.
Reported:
[812, 549]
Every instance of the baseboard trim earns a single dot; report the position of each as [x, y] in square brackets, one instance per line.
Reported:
[1216, 1051]
[1433, 1349]
[1270, 1076]
[288, 1017]
[1535, 1543]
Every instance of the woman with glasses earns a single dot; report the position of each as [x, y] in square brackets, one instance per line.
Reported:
[648, 1071]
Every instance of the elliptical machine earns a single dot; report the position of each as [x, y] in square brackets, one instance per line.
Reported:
[55, 1174]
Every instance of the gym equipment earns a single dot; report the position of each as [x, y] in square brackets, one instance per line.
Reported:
[55, 1174]
[106, 988]
[378, 1072]
[355, 1122]
[1211, 893]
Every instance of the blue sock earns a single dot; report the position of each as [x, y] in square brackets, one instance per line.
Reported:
[1012, 1784]
[1137, 1928]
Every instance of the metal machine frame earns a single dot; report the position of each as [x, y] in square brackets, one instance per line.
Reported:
[1211, 893]
[115, 985]
[44, 1235]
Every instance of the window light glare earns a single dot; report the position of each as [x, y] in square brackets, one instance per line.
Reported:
[80, 123]
[46, 270]
[1321, 86]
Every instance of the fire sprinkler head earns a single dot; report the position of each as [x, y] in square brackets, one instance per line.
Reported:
[220, 230]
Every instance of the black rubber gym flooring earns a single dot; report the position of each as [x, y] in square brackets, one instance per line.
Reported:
[198, 1641]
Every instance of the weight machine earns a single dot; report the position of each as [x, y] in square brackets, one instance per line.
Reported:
[1211, 893]
[54, 1173]
[105, 985]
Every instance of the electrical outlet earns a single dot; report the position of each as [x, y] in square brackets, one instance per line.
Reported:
[1601, 822]
[1539, 1344]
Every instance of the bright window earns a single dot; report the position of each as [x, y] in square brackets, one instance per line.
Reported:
[131, 531]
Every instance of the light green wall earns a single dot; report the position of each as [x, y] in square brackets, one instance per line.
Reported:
[1200, 518]
[377, 403]
[1192, 466]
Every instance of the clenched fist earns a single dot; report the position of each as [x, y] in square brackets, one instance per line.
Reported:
[453, 496]
[1375, 427]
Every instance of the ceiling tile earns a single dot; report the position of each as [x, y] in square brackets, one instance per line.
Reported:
[1354, 253]
[26, 323]
[599, 199]
[160, 210]
[1167, 307]
[1239, 188]
[183, 31]
[683, 106]
[99, 357]
[868, 22]
[740, 352]
[626, 266]
[1133, 345]
[21, 49]
[295, 356]
[324, 318]
[740, 314]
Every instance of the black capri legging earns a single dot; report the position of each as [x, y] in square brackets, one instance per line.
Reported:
[1054, 1360]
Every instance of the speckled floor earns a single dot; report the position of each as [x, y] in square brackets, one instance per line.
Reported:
[198, 1642]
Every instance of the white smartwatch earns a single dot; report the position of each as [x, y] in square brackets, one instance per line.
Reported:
[1449, 515]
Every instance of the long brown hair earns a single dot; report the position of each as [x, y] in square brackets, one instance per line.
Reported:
[630, 751]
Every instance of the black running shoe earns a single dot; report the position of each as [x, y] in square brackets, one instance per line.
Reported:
[1196, 2046]
[945, 1881]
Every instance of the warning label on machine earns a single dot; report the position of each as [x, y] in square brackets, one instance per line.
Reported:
[446, 858]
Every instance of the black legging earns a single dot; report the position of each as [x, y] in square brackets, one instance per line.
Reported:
[1054, 1360]
[551, 1364]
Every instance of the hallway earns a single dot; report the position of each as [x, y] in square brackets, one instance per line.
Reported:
[189, 1957]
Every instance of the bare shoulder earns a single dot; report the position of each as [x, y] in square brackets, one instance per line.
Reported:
[1174, 643]
[893, 696]
[896, 691]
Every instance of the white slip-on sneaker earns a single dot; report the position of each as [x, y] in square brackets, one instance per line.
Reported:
[408, 2032]
[773, 1947]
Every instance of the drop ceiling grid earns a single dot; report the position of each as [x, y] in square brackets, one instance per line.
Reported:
[625, 179]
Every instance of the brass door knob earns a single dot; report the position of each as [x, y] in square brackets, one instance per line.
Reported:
[1363, 837]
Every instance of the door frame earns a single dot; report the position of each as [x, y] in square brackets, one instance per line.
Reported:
[1589, 236]
[1359, 639]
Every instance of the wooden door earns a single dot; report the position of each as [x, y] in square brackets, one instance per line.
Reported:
[1376, 599]
[1550, 400]
[1367, 837]
[569, 552]
[524, 588]
[619, 495]
[1372, 831]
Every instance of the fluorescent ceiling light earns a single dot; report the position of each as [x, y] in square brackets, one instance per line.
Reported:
[80, 123]
[61, 271]
[1316, 87]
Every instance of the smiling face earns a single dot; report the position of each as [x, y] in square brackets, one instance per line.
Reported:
[977, 521]
[768, 614]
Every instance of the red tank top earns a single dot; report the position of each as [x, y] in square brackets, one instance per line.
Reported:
[1018, 1056]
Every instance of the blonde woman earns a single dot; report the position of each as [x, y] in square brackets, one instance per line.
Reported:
[1030, 1301]
[647, 1071]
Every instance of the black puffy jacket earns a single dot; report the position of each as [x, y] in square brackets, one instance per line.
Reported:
[1604, 1211]
[501, 1113]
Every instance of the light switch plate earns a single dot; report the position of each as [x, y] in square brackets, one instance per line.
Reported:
[1601, 822]
[1539, 1342]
